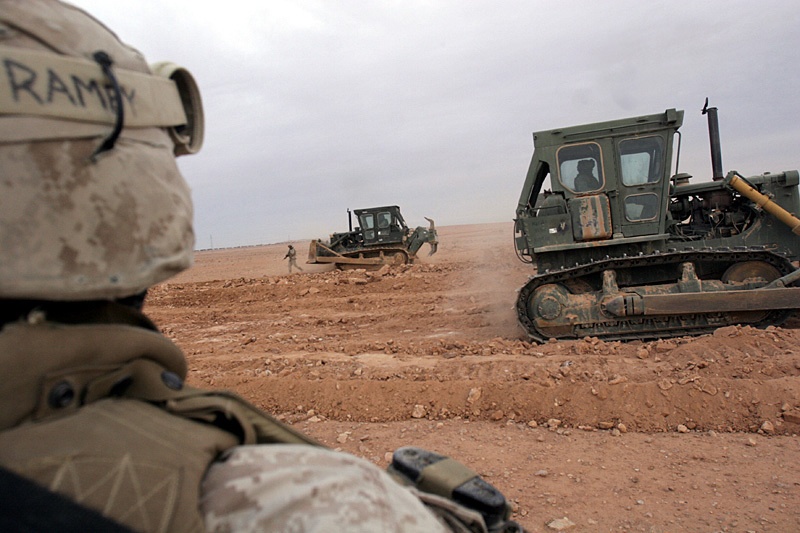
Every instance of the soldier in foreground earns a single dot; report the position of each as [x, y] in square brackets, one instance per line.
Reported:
[93, 211]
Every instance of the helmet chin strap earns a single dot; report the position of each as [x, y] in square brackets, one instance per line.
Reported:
[105, 62]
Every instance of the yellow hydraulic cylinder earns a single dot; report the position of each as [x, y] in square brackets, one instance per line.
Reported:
[764, 202]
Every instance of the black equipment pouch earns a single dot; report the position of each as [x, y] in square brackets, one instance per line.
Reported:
[436, 474]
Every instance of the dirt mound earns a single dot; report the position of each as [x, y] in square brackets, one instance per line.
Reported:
[431, 352]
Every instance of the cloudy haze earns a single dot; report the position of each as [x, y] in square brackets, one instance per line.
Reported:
[314, 106]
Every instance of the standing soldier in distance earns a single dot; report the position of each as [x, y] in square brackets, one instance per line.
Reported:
[93, 404]
[292, 255]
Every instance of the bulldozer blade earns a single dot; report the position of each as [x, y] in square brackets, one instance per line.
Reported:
[314, 255]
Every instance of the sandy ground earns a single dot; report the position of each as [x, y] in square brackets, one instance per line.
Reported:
[693, 434]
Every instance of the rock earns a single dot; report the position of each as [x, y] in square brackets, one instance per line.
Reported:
[708, 388]
[342, 438]
[663, 347]
[728, 331]
[497, 415]
[541, 473]
[533, 424]
[768, 427]
[553, 423]
[605, 425]
[682, 429]
[792, 416]
[561, 524]
[375, 276]
[419, 411]
[474, 395]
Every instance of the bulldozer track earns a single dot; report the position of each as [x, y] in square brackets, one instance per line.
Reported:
[390, 255]
[650, 327]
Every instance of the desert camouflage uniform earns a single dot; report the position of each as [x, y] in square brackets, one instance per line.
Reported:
[292, 255]
[285, 487]
[93, 211]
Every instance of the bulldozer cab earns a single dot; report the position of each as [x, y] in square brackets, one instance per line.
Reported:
[381, 225]
[607, 182]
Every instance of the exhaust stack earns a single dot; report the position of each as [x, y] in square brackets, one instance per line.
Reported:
[713, 136]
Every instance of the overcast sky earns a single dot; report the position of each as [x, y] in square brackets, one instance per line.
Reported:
[316, 106]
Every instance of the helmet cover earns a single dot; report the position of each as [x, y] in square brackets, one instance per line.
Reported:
[75, 224]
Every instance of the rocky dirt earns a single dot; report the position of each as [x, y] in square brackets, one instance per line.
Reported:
[692, 434]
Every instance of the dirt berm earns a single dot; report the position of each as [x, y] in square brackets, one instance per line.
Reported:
[693, 434]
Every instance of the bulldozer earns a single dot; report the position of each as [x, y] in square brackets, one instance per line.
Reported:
[624, 249]
[381, 238]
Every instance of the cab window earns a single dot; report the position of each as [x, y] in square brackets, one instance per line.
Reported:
[384, 219]
[580, 167]
[641, 160]
[641, 207]
[368, 225]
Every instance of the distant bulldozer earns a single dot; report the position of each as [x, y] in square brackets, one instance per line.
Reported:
[382, 238]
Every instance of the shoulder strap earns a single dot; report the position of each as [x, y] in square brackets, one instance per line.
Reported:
[146, 380]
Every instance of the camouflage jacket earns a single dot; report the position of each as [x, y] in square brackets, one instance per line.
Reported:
[88, 411]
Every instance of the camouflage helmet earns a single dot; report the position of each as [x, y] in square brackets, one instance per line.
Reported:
[92, 204]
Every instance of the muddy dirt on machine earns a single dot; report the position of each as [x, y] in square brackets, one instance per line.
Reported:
[678, 294]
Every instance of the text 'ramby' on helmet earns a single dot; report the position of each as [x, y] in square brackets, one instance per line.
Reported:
[92, 204]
